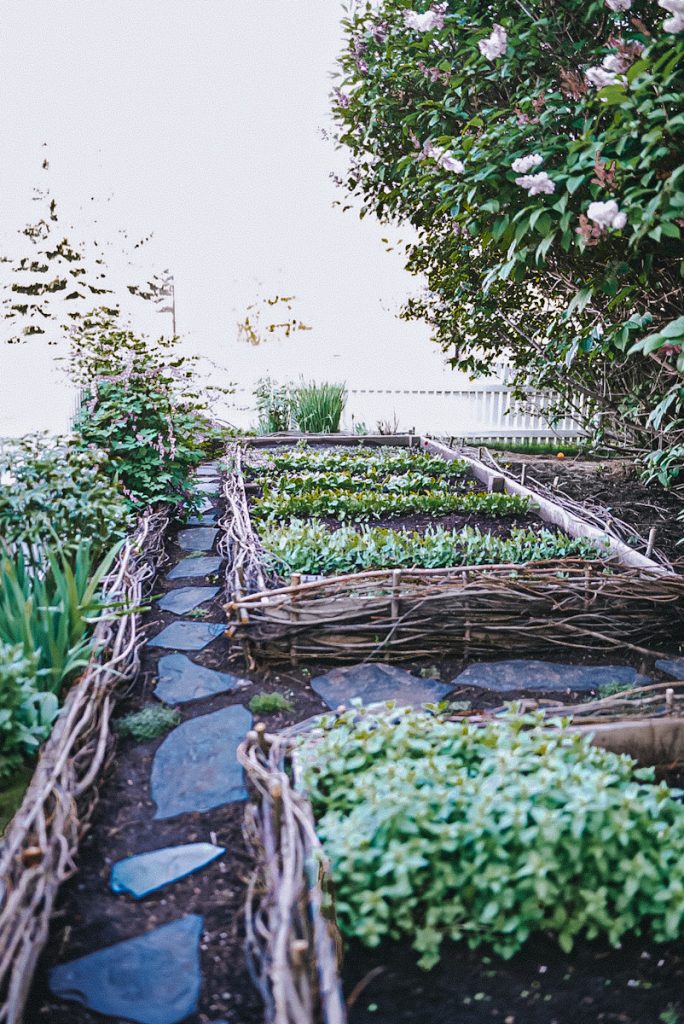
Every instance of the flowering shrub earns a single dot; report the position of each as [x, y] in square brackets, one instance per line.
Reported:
[141, 407]
[489, 833]
[309, 547]
[537, 153]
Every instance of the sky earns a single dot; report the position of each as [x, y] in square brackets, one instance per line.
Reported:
[201, 122]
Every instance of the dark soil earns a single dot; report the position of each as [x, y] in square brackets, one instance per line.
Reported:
[614, 484]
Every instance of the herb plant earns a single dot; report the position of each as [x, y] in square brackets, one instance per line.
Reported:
[147, 724]
[360, 461]
[308, 547]
[317, 408]
[490, 833]
[269, 703]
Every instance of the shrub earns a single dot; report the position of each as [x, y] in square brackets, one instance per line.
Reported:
[274, 406]
[269, 703]
[309, 547]
[141, 406]
[58, 489]
[147, 724]
[489, 833]
[318, 408]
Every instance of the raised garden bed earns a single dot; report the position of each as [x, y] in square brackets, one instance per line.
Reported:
[587, 589]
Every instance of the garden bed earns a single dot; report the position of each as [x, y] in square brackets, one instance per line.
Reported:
[593, 591]
[41, 841]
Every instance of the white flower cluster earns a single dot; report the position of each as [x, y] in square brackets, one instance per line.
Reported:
[676, 9]
[525, 163]
[431, 21]
[536, 183]
[609, 73]
[619, 5]
[607, 215]
[444, 159]
[495, 45]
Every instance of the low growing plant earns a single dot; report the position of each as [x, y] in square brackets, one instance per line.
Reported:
[26, 711]
[361, 461]
[318, 408]
[147, 724]
[391, 483]
[269, 703]
[344, 505]
[274, 406]
[308, 547]
[489, 833]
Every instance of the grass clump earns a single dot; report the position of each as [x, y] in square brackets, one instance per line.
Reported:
[317, 408]
[147, 724]
[270, 704]
[442, 829]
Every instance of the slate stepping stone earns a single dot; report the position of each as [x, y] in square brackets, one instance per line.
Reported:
[195, 768]
[184, 599]
[209, 487]
[206, 520]
[189, 568]
[208, 469]
[673, 667]
[181, 680]
[147, 872]
[201, 538]
[206, 503]
[377, 683]
[187, 636]
[152, 979]
[544, 676]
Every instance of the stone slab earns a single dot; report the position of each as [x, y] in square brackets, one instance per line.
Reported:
[152, 979]
[673, 667]
[208, 469]
[184, 599]
[191, 568]
[148, 872]
[187, 636]
[519, 675]
[195, 768]
[375, 684]
[209, 487]
[206, 520]
[207, 503]
[200, 538]
[181, 680]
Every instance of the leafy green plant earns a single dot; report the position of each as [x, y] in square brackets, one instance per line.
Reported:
[48, 607]
[58, 489]
[308, 547]
[344, 505]
[269, 703]
[318, 408]
[141, 406]
[147, 724]
[611, 689]
[26, 711]
[491, 832]
[274, 406]
[362, 461]
[388, 483]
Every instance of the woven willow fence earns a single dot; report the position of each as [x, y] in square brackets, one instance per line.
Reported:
[41, 841]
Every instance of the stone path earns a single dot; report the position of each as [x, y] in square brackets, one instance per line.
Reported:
[155, 977]
[525, 676]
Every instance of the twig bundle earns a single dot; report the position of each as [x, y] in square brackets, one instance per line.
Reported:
[41, 841]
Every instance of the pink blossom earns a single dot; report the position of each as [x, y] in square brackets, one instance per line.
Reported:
[495, 45]
[676, 9]
[380, 31]
[342, 98]
[442, 158]
[607, 215]
[525, 163]
[432, 20]
[536, 183]
[619, 5]
[601, 77]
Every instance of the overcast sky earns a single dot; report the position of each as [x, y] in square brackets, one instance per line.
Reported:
[200, 121]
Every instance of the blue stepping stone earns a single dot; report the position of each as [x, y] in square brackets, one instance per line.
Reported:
[208, 487]
[147, 872]
[208, 469]
[195, 768]
[207, 520]
[545, 676]
[187, 636]
[189, 568]
[201, 538]
[184, 599]
[374, 684]
[206, 504]
[673, 667]
[152, 979]
[181, 680]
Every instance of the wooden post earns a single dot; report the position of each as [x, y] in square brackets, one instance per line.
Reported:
[523, 474]
[651, 541]
[497, 483]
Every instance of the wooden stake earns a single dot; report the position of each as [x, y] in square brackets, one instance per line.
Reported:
[651, 541]
[523, 473]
